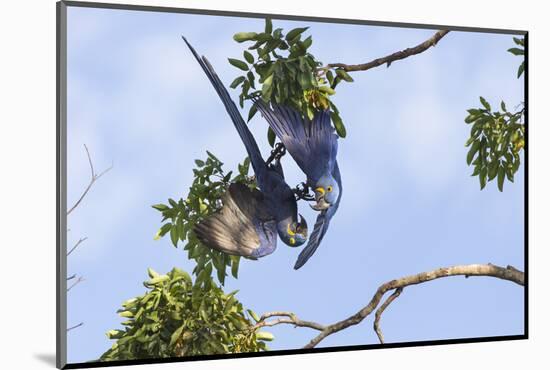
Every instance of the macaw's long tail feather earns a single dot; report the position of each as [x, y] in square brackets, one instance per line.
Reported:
[321, 225]
[319, 230]
[246, 136]
[313, 145]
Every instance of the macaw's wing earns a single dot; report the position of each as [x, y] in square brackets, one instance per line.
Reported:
[312, 144]
[321, 225]
[243, 226]
[246, 136]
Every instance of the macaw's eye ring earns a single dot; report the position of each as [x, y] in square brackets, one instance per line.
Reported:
[329, 188]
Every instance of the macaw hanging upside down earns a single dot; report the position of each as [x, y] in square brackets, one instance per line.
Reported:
[248, 221]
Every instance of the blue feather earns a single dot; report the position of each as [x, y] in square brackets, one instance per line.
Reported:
[313, 145]
[258, 164]
[321, 225]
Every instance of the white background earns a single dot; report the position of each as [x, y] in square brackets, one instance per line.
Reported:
[27, 145]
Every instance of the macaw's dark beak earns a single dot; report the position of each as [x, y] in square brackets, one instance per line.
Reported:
[321, 204]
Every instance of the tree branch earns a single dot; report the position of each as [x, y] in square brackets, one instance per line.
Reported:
[79, 280]
[287, 318]
[505, 273]
[389, 59]
[76, 245]
[381, 309]
[74, 327]
[93, 179]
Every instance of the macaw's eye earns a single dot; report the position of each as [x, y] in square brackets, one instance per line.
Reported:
[329, 188]
[292, 241]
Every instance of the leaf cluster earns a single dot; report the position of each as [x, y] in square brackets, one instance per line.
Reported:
[520, 50]
[204, 198]
[176, 317]
[496, 139]
[279, 68]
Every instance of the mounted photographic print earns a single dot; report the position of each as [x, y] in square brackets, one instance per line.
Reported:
[235, 184]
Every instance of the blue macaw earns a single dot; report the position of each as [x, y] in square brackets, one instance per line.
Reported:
[248, 220]
[313, 145]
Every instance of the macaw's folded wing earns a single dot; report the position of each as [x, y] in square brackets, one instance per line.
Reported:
[244, 226]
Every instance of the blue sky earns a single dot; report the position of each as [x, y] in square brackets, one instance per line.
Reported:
[137, 99]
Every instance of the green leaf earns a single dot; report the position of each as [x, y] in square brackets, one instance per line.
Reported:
[484, 102]
[158, 279]
[268, 25]
[330, 77]
[344, 75]
[267, 88]
[174, 236]
[338, 124]
[304, 80]
[500, 179]
[503, 105]
[244, 36]
[199, 163]
[516, 51]
[294, 33]
[493, 169]
[271, 137]
[307, 42]
[264, 335]
[253, 315]
[152, 273]
[176, 335]
[236, 82]
[235, 266]
[483, 178]
[160, 207]
[252, 112]
[470, 118]
[249, 57]
[238, 63]
[327, 90]
[518, 41]
[473, 150]
[521, 69]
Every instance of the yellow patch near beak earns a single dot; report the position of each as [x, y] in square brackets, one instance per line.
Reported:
[292, 241]
[289, 231]
[320, 190]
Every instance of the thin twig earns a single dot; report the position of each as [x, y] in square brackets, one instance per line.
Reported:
[93, 179]
[389, 59]
[74, 327]
[71, 277]
[381, 309]
[76, 245]
[79, 280]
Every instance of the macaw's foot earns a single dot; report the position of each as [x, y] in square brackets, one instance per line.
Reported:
[277, 153]
[301, 191]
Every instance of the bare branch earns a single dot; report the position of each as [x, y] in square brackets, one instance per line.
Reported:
[76, 245]
[79, 280]
[74, 327]
[93, 179]
[381, 309]
[509, 273]
[284, 317]
[71, 277]
[389, 59]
